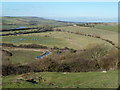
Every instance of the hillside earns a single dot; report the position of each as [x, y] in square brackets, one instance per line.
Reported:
[14, 22]
[81, 55]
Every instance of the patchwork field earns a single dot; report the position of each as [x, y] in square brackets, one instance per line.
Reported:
[104, 33]
[102, 78]
[51, 39]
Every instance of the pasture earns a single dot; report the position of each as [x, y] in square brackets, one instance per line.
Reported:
[14, 22]
[51, 39]
[23, 56]
[65, 80]
[108, 26]
[106, 34]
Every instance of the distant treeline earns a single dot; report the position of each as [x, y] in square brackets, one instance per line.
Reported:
[15, 29]
[28, 32]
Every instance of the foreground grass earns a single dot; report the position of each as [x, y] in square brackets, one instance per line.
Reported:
[67, 80]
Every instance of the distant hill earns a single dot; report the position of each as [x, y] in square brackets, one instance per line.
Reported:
[14, 22]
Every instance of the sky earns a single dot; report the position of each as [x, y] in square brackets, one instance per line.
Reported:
[60, 0]
[62, 10]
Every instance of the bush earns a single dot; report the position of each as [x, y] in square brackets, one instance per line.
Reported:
[64, 68]
[23, 69]
[33, 46]
[94, 58]
[84, 65]
[94, 51]
[44, 65]
[109, 61]
[8, 69]
[72, 50]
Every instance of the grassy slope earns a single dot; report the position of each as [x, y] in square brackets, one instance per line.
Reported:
[59, 39]
[69, 80]
[109, 27]
[110, 35]
[26, 22]
[82, 79]
[22, 57]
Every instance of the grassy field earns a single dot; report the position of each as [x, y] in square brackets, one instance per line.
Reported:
[108, 26]
[106, 34]
[23, 56]
[66, 80]
[13, 22]
[59, 39]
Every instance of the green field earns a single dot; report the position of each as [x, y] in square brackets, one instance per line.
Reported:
[68, 80]
[106, 34]
[23, 57]
[14, 22]
[108, 26]
[59, 39]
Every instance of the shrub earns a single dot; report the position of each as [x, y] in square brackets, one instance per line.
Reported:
[55, 47]
[23, 69]
[64, 68]
[109, 61]
[44, 65]
[8, 69]
[83, 65]
[72, 50]
[94, 58]
[95, 51]
[33, 46]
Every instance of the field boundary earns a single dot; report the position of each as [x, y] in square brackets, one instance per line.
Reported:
[60, 30]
